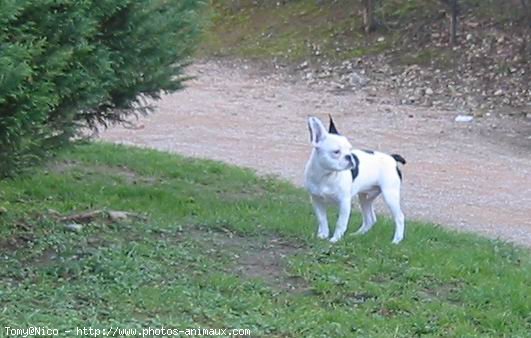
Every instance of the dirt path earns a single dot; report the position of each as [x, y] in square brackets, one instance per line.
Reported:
[455, 176]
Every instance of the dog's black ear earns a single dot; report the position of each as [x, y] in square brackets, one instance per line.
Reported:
[332, 127]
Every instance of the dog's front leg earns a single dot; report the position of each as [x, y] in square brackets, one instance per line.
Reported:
[319, 206]
[344, 214]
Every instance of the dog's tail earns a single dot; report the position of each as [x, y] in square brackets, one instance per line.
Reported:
[398, 158]
[332, 127]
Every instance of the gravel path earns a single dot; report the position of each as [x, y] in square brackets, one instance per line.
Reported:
[456, 175]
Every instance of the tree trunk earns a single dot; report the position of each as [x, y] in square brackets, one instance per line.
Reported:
[235, 5]
[453, 6]
[368, 15]
[453, 22]
[527, 11]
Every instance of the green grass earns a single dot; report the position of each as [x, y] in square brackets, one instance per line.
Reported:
[204, 258]
[294, 31]
[289, 32]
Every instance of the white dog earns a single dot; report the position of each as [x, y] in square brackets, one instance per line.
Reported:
[335, 173]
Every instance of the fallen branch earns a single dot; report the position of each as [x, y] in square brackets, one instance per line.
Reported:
[112, 215]
[124, 215]
[84, 217]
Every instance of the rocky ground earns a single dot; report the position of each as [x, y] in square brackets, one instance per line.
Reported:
[414, 86]
[487, 72]
[488, 75]
[465, 175]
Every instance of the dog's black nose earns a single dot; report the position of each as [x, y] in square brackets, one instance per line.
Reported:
[350, 159]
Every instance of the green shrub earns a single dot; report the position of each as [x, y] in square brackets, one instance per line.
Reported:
[65, 64]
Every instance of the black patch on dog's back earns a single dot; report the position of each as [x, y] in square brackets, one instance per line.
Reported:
[355, 171]
[368, 151]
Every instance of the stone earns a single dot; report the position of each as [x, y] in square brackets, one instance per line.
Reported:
[117, 216]
[75, 227]
[304, 65]
[464, 118]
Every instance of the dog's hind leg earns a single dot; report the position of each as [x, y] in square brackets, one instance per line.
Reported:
[372, 196]
[392, 199]
[367, 211]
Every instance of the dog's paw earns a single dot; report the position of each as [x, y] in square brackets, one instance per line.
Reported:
[322, 235]
[360, 232]
[396, 240]
[334, 239]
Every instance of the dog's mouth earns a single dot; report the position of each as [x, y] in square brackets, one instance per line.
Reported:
[349, 166]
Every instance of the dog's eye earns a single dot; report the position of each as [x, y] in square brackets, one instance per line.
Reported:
[336, 152]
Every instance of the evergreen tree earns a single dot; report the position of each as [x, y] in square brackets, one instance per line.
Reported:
[71, 63]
